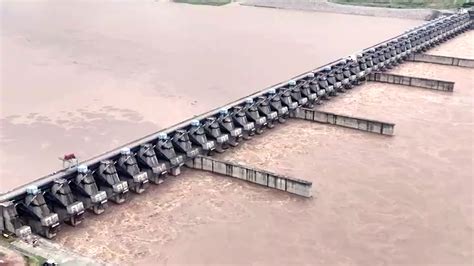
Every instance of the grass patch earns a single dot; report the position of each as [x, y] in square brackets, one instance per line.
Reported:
[205, 2]
[33, 260]
[405, 3]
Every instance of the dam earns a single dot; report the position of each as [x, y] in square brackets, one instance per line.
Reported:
[194, 140]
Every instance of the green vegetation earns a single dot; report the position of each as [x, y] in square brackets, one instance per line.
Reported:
[33, 260]
[406, 3]
[204, 2]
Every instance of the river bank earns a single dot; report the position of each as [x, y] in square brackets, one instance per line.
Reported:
[325, 6]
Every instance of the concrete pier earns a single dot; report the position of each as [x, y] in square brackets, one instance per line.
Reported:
[433, 84]
[442, 60]
[253, 175]
[363, 124]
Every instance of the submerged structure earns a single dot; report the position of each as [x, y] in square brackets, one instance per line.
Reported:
[41, 206]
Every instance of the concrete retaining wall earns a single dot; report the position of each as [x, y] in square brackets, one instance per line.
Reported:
[257, 176]
[50, 250]
[373, 126]
[442, 60]
[412, 81]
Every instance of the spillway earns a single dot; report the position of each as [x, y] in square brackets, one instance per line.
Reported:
[64, 196]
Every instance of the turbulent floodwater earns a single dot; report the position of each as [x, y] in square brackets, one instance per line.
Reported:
[88, 76]
[127, 70]
[378, 200]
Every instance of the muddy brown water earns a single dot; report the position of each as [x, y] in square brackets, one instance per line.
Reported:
[378, 200]
[402, 200]
[88, 76]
